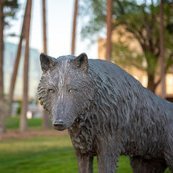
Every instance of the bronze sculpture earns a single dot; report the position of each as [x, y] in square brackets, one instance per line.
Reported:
[107, 113]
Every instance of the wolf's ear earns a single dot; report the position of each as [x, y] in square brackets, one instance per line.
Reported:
[46, 62]
[81, 61]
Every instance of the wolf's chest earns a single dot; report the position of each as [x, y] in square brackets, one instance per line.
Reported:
[81, 139]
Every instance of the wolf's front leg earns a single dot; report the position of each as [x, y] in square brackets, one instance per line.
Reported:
[107, 155]
[107, 163]
[85, 163]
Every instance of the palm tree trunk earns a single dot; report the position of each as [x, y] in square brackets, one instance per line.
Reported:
[16, 64]
[109, 30]
[73, 42]
[1, 49]
[44, 26]
[162, 51]
[45, 114]
[2, 109]
[23, 118]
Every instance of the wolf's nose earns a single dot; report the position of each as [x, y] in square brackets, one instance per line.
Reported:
[59, 124]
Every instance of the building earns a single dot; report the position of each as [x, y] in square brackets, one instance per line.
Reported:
[34, 76]
[120, 35]
[34, 71]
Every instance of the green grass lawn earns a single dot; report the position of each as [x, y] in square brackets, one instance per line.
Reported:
[43, 155]
[46, 154]
[13, 122]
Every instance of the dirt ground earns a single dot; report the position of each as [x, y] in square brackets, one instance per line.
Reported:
[10, 134]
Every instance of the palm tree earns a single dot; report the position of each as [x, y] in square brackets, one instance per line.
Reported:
[16, 63]
[45, 115]
[109, 29]
[1, 48]
[7, 9]
[162, 51]
[44, 26]
[73, 41]
[2, 127]
[23, 121]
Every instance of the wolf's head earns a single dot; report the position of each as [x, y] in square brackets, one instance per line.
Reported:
[65, 89]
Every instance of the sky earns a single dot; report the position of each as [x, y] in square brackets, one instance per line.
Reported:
[59, 28]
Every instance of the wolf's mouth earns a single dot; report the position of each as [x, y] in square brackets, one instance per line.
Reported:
[59, 125]
[59, 128]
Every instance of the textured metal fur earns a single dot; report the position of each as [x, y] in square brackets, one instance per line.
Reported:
[107, 113]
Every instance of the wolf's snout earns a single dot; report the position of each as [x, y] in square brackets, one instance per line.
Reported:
[59, 124]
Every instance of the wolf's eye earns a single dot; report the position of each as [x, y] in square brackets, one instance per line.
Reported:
[51, 90]
[72, 90]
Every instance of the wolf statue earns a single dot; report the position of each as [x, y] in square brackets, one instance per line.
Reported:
[107, 113]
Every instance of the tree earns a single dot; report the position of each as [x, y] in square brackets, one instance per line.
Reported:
[109, 29]
[162, 51]
[2, 113]
[23, 121]
[44, 26]
[142, 21]
[7, 10]
[45, 114]
[1, 48]
[73, 41]
[16, 63]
